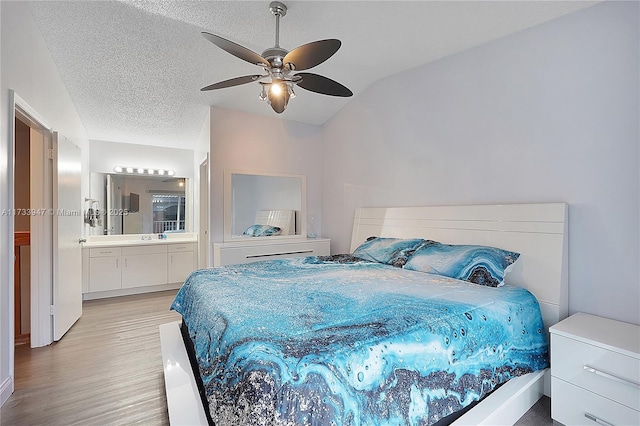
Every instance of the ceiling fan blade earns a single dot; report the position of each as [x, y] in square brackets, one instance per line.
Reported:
[320, 84]
[232, 82]
[311, 54]
[236, 50]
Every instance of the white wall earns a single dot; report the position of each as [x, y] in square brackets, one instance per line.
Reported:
[105, 155]
[548, 114]
[27, 68]
[258, 143]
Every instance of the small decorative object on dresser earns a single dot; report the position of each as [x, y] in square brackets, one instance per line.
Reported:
[595, 371]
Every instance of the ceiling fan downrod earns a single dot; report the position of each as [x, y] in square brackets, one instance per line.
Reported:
[275, 54]
[278, 9]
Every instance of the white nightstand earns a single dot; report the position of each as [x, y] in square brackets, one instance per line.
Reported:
[595, 371]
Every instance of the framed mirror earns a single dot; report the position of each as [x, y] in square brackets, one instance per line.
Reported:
[274, 200]
[132, 204]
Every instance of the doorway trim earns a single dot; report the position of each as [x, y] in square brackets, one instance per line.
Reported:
[41, 294]
[203, 214]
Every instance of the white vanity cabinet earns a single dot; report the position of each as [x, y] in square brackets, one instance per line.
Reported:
[181, 261]
[248, 251]
[104, 269]
[136, 268]
[144, 265]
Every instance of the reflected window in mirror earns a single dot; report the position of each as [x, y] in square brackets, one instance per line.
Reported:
[168, 213]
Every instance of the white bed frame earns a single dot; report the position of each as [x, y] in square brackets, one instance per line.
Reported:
[537, 231]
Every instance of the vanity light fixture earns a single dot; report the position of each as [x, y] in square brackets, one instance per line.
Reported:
[142, 171]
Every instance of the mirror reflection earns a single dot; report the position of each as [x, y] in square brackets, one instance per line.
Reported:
[271, 199]
[131, 204]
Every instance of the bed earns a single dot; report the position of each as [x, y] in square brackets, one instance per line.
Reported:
[361, 342]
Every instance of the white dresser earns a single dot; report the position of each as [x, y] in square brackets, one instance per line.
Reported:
[595, 371]
[254, 251]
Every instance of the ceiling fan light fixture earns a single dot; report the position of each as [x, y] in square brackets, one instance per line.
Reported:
[278, 96]
[279, 64]
[276, 89]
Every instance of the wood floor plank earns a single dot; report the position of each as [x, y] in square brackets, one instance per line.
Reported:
[107, 370]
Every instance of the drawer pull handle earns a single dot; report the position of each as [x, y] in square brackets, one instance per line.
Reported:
[280, 254]
[611, 377]
[597, 420]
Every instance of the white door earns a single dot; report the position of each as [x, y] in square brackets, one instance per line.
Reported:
[67, 231]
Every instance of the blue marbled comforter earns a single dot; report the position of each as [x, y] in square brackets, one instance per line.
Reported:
[309, 341]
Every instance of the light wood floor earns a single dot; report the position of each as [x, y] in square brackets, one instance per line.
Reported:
[106, 370]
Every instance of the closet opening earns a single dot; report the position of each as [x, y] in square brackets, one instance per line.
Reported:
[22, 234]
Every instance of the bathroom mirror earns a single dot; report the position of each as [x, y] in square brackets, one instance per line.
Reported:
[251, 197]
[132, 204]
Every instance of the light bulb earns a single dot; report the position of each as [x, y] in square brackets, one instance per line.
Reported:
[117, 169]
[171, 173]
[276, 89]
[141, 170]
[150, 171]
[161, 172]
[129, 169]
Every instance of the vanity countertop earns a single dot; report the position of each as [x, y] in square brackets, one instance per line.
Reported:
[138, 240]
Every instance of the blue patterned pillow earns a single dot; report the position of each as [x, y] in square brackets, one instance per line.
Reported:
[391, 251]
[262, 231]
[477, 264]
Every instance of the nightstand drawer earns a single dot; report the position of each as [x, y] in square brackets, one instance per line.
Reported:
[573, 405]
[604, 372]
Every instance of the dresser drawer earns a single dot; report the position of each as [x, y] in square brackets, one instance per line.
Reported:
[246, 253]
[104, 252]
[572, 405]
[604, 372]
[177, 248]
[140, 250]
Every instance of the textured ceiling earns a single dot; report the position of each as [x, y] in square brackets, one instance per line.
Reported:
[134, 68]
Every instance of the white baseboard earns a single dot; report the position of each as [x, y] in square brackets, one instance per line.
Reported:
[6, 390]
[130, 291]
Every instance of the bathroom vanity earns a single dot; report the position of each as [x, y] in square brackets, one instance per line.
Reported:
[118, 265]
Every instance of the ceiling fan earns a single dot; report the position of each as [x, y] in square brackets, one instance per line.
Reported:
[279, 65]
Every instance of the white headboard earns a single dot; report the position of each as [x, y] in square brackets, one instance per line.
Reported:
[537, 231]
[284, 219]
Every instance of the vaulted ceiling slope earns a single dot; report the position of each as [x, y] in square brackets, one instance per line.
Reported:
[134, 68]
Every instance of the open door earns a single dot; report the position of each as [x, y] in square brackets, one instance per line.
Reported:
[67, 232]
